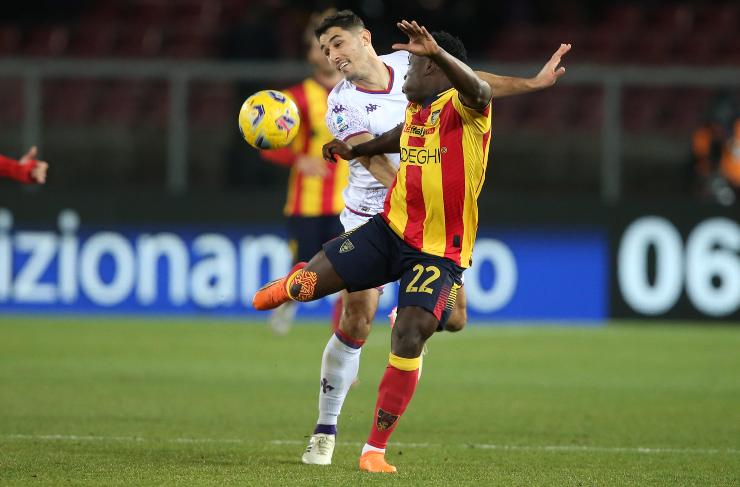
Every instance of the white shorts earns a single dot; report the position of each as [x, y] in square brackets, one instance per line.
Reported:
[351, 219]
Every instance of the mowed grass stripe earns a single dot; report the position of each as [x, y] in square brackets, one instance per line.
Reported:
[208, 402]
[485, 446]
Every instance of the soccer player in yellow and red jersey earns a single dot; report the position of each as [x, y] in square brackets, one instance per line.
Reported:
[314, 199]
[425, 234]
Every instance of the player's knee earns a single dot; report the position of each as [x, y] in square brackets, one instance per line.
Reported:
[457, 321]
[413, 327]
[356, 320]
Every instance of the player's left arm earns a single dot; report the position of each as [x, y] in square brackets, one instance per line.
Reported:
[550, 73]
[387, 143]
[473, 91]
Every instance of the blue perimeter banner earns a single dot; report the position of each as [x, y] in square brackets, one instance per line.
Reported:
[517, 273]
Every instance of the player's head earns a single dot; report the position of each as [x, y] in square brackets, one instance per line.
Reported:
[346, 43]
[424, 78]
[314, 55]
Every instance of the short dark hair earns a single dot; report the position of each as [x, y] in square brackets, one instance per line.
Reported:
[345, 19]
[451, 44]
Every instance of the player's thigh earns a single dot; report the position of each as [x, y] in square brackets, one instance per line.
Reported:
[430, 283]
[364, 256]
[359, 309]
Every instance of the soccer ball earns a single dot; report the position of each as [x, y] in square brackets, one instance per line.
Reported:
[269, 120]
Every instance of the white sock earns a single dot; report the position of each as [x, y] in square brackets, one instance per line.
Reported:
[368, 448]
[339, 367]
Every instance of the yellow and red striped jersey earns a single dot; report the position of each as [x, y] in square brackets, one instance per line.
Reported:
[311, 195]
[433, 203]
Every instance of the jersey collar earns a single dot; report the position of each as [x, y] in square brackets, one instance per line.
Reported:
[380, 92]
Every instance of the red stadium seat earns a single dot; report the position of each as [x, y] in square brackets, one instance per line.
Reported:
[11, 101]
[653, 47]
[10, 39]
[47, 41]
[698, 49]
[588, 109]
[139, 41]
[626, 18]
[677, 19]
[156, 105]
[517, 43]
[642, 108]
[186, 43]
[69, 101]
[729, 51]
[120, 102]
[552, 109]
[686, 110]
[602, 45]
[152, 11]
[104, 12]
[197, 14]
[92, 40]
[721, 19]
[213, 104]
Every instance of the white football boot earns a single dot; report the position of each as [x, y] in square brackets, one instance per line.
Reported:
[281, 318]
[319, 450]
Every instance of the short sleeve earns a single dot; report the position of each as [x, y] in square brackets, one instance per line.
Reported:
[345, 120]
[480, 120]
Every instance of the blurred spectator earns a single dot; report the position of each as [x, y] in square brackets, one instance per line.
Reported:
[716, 151]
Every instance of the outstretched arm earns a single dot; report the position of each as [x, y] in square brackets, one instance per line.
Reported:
[549, 75]
[474, 92]
[388, 143]
[369, 151]
[26, 170]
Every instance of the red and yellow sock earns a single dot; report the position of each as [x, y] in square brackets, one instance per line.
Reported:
[307, 284]
[396, 390]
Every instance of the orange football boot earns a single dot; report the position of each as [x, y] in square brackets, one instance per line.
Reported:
[274, 293]
[374, 461]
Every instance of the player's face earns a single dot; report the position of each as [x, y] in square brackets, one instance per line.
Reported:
[413, 85]
[346, 51]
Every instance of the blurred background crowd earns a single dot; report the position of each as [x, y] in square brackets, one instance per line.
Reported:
[677, 137]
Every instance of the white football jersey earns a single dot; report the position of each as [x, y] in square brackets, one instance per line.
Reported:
[352, 111]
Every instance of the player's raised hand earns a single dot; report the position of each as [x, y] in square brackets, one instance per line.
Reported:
[38, 172]
[420, 42]
[552, 71]
[335, 149]
[28, 156]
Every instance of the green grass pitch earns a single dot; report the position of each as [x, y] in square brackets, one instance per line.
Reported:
[97, 401]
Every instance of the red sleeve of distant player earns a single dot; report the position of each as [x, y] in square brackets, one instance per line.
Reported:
[287, 155]
[9, 168]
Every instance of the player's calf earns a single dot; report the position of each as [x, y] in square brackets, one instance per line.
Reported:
[305, 282]
[316, 280]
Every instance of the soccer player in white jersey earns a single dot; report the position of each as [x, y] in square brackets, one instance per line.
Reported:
[366, 104]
